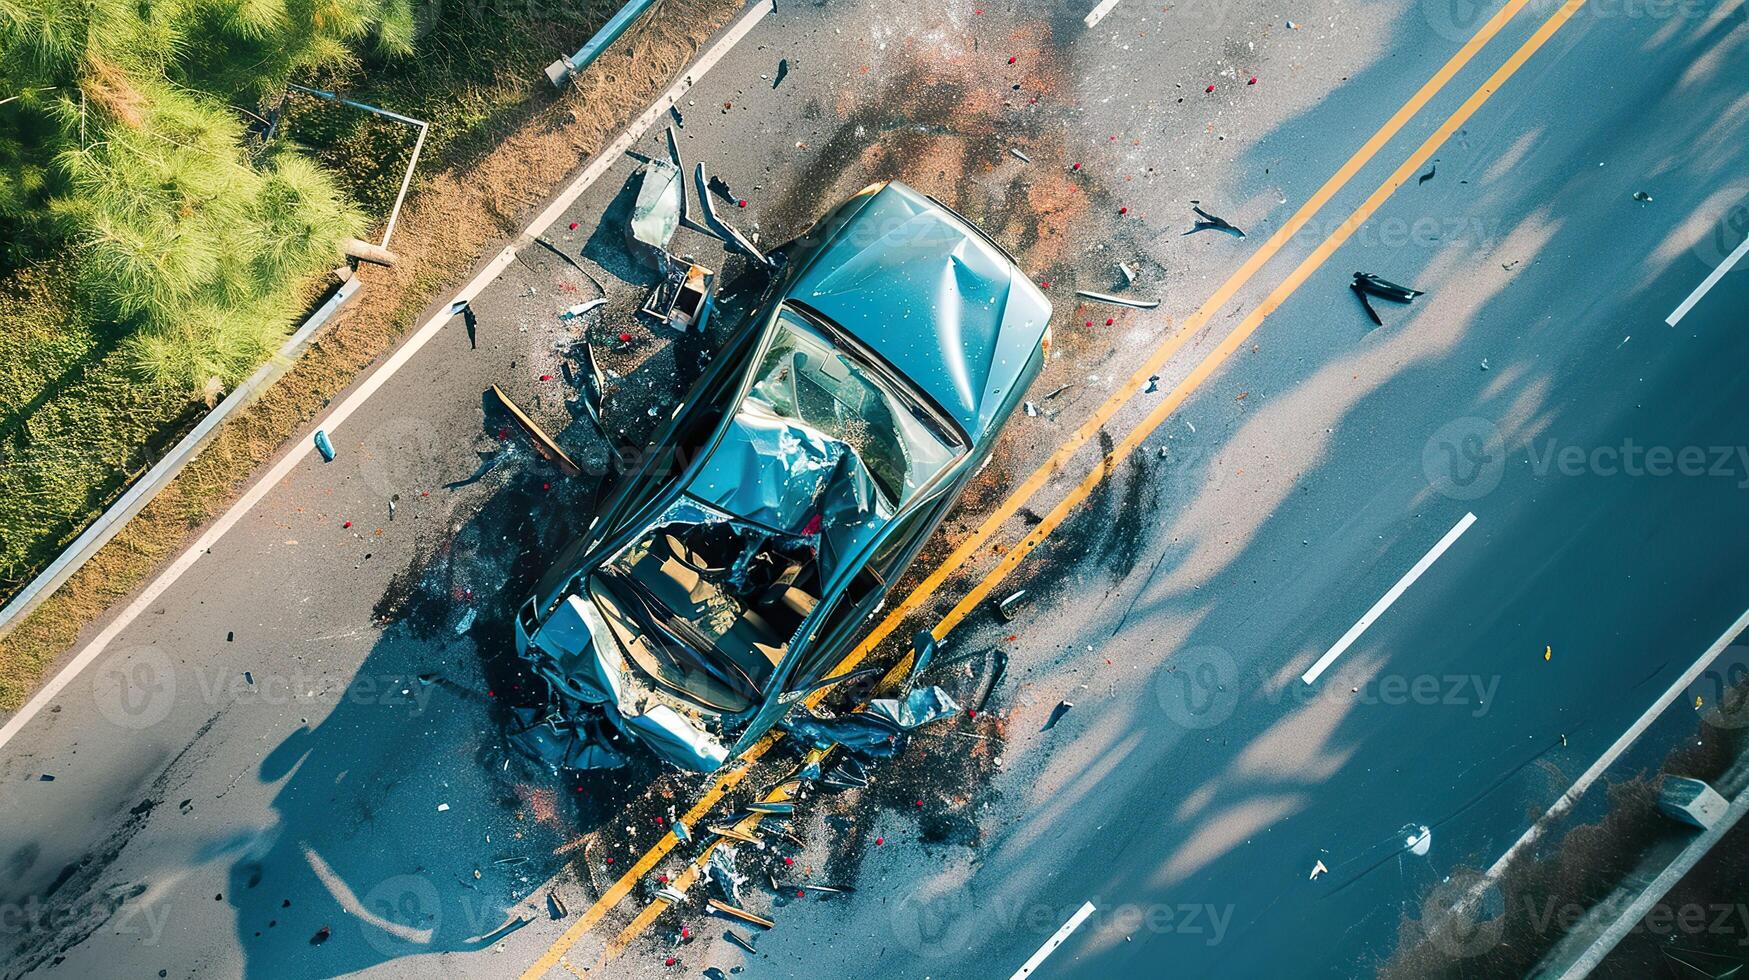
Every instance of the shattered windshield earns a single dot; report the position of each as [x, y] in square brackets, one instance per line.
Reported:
[806, 377]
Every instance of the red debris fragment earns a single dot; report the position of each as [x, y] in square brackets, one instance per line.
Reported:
[801, 894]
[658, 820]
[669, 961]
[685, 931]
[347, 524]
[741, 203]
[1076, 166]
[1253, 80]
[1045, 285]
[546, 486]
[1089, 324]
[919, 802]
[1123, 210]
[573, 226]
[789, 860]
[1211, 88]
[662, 878]
[1109, 321]
[610, 860]
[546, 377]
[625, 338]
[1012, 60]
[879, 841]
[971, 714]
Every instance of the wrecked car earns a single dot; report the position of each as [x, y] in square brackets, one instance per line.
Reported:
[726, 577]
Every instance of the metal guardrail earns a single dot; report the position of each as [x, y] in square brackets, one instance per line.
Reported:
[560, 72]
[146, 487]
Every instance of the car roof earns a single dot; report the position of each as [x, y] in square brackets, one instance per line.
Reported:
[935, 298]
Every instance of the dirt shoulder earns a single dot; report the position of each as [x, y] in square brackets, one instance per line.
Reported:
[457, 215]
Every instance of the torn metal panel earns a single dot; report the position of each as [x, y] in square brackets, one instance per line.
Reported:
[656, 213]
[795, 480]
[919, 708]
[875, 732]
[1140, 304]
[543, 443]
[675, 740]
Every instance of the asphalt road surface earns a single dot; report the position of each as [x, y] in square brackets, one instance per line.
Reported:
[290, 761]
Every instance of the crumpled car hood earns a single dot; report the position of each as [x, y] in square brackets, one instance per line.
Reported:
[934, 298]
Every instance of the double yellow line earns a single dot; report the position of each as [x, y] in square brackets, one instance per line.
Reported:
[1022, 494]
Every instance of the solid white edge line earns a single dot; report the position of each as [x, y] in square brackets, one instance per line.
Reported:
[1707, 284]
[1591, 775]
[1099, 12]
[1052, 943]
[302, 447]
[1379, 607]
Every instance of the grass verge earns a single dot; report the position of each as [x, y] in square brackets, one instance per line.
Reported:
[509, 148]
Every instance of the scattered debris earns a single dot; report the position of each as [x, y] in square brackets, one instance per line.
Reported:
[1548, 653]
[1019, 155]
[1129, 274]
[443, 808]
[45, 778]
[1318, 869]
[556, 906]
[324, 447]
[1153, 384]
[510, 926]
[1642, 197]
[679, 120]
[321, 936]
[1059, 390]
[782, 72]
[831, 889]
[1031, 410]
[1211, 222]
[671, 895]
[1057, 714]
[657, 211]
[543, 443]
[1007, 607]
[741, 914]
[736, 938]
[733, 833]
[1419, 841]
[722, 877]
[720, 187]
[1431, 170]
[997, 672]
[1366, 284]
[582, 308]
[779, 809]
[682, 299]
[1140, 304]
[849, 773]
[875, 732]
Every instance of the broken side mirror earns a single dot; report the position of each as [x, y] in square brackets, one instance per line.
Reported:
[923, 647]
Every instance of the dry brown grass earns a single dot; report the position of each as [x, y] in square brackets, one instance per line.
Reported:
[454, 219]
